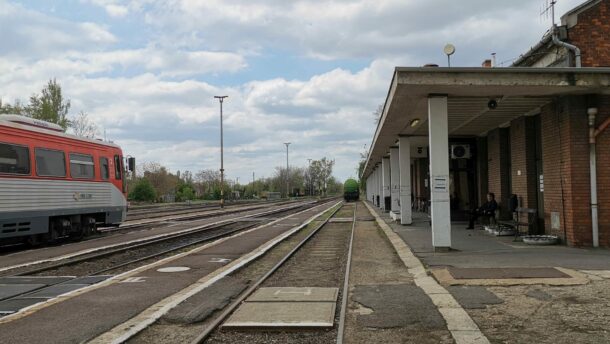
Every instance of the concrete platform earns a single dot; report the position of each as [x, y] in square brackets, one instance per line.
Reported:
[479, 249]
[283, 314]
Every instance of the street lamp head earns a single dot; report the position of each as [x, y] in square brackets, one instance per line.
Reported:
[220, 98]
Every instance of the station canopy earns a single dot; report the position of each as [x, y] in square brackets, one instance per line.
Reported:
[516, 91]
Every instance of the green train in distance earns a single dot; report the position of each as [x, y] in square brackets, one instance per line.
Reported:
[351, 190]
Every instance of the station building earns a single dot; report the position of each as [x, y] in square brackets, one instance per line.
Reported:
[537, 130]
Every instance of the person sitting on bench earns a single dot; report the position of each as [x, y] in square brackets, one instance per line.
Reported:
[488, 209]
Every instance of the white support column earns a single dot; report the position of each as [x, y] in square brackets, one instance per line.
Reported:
[439, 172]
[394, 183]
[406, 216]
[385, 167]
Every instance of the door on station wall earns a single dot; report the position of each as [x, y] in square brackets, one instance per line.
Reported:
[462, 178]
[540, 176]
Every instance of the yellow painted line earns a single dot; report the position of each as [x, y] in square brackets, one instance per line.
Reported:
[463, 329]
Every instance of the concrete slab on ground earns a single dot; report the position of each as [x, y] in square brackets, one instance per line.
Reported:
[35, 280]
[54, 291]
[397, 305]
[474, 297]
[14, 305]
[12, 290]
[288, 294]
[283, 314]
[505, 273]
[199, 307]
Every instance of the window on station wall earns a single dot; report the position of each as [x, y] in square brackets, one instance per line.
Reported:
[117, 167]
[81, 166]
[14, 159]
[50, 163]
[104, 169]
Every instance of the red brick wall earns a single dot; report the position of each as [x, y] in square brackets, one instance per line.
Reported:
[523, 160]
[565, 150]
[497, 168]
[553, 166]
[592, 35]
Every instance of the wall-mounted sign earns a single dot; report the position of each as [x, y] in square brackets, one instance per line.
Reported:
[440, 183]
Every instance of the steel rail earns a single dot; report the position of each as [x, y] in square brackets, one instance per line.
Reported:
[231, 308]
[344, 295]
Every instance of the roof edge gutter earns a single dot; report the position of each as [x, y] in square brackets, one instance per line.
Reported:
[568, 46]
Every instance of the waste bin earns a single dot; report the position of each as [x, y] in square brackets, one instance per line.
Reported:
[388, 203]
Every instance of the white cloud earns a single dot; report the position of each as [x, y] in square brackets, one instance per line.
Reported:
[151, 89]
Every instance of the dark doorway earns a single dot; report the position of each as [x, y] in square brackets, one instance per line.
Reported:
[463, 177]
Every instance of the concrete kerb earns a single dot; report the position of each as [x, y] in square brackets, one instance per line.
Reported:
[123, 332]
[463, 329]
[121, 277]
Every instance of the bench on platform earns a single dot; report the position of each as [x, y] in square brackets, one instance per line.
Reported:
[522, 218]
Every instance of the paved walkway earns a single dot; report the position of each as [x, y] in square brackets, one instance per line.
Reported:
[478, 249]
[540, 309]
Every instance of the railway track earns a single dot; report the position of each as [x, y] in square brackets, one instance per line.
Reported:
[180, 240]
[321, 259]
[101, 264]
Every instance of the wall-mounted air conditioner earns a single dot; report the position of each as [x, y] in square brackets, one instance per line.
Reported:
[460, 152]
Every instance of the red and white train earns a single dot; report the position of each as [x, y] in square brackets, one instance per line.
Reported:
[55, 185]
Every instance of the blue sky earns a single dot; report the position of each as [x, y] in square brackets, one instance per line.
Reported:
[306, 71]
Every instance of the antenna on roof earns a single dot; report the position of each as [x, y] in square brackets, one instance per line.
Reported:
[548, 8]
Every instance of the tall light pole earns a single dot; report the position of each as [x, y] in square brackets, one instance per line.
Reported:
[310, 187]
[287, 171]
[222, 168]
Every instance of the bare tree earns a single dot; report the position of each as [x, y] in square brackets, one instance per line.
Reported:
[83, 126]
[378, 113]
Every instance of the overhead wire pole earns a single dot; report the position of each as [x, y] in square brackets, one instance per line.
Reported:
[222, 169]
[287, 172]
[310, 187]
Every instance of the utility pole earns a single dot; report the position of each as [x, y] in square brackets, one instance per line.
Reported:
[222, 168]
[287, 171]
[310, 187]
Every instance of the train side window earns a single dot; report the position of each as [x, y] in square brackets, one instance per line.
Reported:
[81, 166]
[117, 167]
[104, 169]
[14, 159]
[50, 163]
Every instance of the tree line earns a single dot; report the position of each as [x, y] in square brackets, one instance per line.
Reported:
[153, 182]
